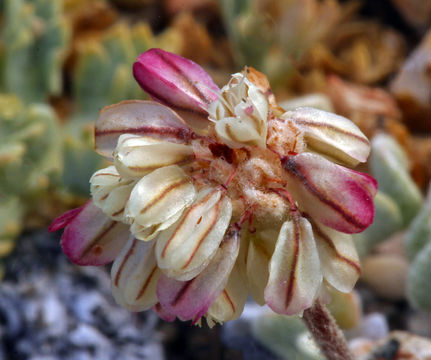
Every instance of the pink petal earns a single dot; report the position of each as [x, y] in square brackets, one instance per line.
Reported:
[64, 220]
[164, 315]
[190, 300]
[175, 81]
[138, 117]
[92, 238]
[336, 196]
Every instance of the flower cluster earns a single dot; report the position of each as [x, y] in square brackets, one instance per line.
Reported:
[214, 194]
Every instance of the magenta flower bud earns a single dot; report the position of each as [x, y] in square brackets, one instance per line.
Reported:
[175, 81]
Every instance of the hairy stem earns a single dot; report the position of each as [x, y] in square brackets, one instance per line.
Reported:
[326, 333]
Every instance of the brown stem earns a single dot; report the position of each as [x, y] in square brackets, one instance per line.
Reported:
[326, 333]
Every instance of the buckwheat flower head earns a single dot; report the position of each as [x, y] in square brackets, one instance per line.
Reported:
[216, 194]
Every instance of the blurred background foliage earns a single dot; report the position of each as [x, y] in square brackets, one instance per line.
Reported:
[61, 61]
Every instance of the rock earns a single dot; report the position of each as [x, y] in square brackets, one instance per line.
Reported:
[398, 345]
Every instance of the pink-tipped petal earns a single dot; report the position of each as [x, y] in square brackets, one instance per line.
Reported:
[139, 117]
[164, 315]
[175, 81]
[92, 238]
[65, 219]
[336, 196]
[190, 300]
[294, 269]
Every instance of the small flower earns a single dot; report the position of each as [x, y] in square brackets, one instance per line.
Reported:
[240, 113]
[215, 194]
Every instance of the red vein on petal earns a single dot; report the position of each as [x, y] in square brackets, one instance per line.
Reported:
[164, 193]
[120, 268]
[181, 293]
[147, 282]
[328, 241]
[184, 219]
[185, 160]
[332, 127]
[97, 238]
[192, 84]
[297, 171]
[292, 274]
[106, 174]
[163, 100]
[208, 230]
[118, 212]
[179, 133]
[229, 300]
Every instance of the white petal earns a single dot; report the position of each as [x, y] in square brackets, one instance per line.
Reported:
[331, 134]
[134, 276]
[186, 247]
[135, 155]
[260, 250]
[110, 192]
[294, 270]
[160, 197]
[230, 303]
[338, 257]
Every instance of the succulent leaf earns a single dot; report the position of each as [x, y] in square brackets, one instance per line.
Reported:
[389, 166]
[419, 232]
[30, 28]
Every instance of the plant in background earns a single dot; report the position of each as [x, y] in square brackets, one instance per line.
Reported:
[314, 37]
[418, 248]
[217, 193]
[101, 76]
[398, 200]
[34, 37]
[30, 160]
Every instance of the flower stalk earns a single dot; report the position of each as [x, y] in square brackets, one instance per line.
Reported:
[326, 333]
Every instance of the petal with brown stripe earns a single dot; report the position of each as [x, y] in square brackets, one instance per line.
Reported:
[330, 134]
[187, 247]
[338, 257]
[230, 303]
[111, 192]
[135, 156]
[134, 276]
[294, 270]
[139, 117]
[158, 199]
[92, 238]
[190, 300]
[336, 196]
